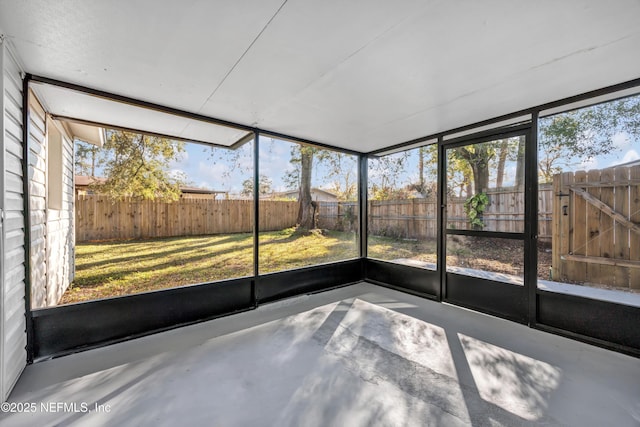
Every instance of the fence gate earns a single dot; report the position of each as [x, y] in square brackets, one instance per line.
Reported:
[596, 227]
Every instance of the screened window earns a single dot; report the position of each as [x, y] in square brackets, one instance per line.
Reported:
[153, 213]
[308, 205]
[589, 201]
[402, 193]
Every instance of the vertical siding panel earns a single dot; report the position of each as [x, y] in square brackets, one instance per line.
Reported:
[37, 203]
[13, 338]
[59, 235]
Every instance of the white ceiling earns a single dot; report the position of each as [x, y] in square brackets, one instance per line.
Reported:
[358, 74]
[89, 134]
[65, 103]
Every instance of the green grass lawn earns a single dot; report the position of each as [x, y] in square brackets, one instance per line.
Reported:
[108, 269]
[388, 248]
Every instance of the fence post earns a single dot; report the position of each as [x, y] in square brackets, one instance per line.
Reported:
[413, 231]
[562, 211]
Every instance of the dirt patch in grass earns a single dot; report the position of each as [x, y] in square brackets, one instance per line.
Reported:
[387, 248]
[489, 254]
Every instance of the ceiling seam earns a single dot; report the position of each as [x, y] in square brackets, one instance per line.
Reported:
[402, 21]
[584, 50]
[233, 67]
[242, 56]
[508, 78]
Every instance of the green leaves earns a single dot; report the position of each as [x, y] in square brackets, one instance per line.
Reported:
[474, 207]
[137, 165]
[568, 138]
[265, 186]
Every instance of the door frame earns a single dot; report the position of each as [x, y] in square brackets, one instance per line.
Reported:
[496, 298]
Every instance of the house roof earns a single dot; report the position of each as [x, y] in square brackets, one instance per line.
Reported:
[314, 190]
[358, 75]
[296, 191]
[85, 181]
[629, 164]
[197, 190]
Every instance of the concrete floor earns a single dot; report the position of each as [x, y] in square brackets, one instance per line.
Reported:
[357, 356]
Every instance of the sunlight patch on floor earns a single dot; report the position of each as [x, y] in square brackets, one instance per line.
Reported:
[512, 381]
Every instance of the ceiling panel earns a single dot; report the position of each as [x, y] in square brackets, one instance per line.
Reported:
[70, 105]
[434, 74]
[168, 52]
[357, 74]
[304, 42]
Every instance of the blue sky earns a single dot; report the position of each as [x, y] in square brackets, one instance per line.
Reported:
[626, 150]
[221, 169]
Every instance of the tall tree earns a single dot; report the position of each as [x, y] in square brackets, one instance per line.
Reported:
[564, 140]
[427, 170]
[478, 156]
[384, 174]
[264, 186]
[342, 169]
[520, 161]
[339, 167]
[306, 211]
[87, 158]
[567, 139]
[137, 165]
[503, 152]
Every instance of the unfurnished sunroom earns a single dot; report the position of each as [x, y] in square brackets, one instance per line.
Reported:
[450, 190]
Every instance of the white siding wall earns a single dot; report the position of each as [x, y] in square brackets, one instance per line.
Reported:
[13, 336]
[52, 229]
[38, 203]
[60, 231]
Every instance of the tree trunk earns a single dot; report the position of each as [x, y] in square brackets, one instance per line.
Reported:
[306, 211]
[479, 162]
[421, 155]
[520, 163]
[467, 185]
[480, 177]
[502, 160]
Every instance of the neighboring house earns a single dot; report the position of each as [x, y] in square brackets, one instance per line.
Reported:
[317, 194]
[629, 164]
[201, 193]
[82, 184]
[51, 183]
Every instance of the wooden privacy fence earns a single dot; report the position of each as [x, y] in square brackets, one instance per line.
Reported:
[341, 216]
[416, 218]
[408, 219]
[596, 227]
[98, 218]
